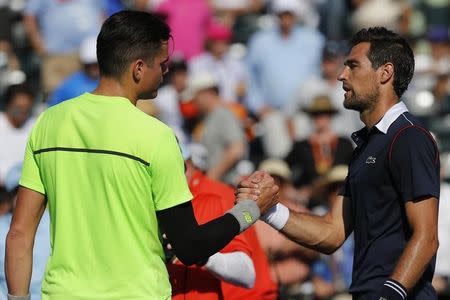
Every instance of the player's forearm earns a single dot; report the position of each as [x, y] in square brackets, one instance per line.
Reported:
[415, 258]
[314, 232]
[18, 263]
[232, 155]
[194, 243]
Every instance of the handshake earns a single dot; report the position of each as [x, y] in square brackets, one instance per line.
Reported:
[257, 196]
[259, 187]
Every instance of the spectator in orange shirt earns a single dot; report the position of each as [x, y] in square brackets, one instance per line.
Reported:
[240, 270]
[289, 261]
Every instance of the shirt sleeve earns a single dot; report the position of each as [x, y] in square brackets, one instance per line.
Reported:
[31, 176]
[414, 164]
[169, 185]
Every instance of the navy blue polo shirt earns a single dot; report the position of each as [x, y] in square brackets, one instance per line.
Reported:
[395, 162]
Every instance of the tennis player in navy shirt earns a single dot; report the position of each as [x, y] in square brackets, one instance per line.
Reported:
[390, 198]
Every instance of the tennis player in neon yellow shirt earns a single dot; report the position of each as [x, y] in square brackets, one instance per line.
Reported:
[113, 180]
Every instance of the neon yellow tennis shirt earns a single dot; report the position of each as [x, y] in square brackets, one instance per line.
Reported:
[105, 168]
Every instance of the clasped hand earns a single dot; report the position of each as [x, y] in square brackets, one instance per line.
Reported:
[260, 187]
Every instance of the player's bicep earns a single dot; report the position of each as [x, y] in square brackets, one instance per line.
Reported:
[422, 215]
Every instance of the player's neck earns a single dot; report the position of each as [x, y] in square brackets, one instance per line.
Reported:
[114, 88]
[372, 116]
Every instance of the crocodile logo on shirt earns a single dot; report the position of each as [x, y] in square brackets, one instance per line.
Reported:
[371, 160]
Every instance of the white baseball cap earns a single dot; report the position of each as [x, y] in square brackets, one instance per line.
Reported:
[293, 6]
[198, 82]
[88, 50]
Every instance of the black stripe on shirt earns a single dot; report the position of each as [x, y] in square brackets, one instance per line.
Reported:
[93, 151]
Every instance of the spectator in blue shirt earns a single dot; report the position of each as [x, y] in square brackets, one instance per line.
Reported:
[279, 60]
[56, 29]
[41, 249]
[83, 81]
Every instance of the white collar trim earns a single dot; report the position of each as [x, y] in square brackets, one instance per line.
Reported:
[390, 116]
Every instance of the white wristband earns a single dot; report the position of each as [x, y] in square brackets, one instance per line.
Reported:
[12, 297]
[277, 216]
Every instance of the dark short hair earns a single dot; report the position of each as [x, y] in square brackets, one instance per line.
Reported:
[126, 36]
[15, 89]
[387, 46]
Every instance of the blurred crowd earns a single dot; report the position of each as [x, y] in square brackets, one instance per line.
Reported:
[252, 82]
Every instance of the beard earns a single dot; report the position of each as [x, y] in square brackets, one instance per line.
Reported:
[362, 102]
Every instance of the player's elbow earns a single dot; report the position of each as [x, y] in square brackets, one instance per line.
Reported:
[333, 240]
[427, 241]
[331, 248]
[188, 256]
[18, 240]
[434, 244]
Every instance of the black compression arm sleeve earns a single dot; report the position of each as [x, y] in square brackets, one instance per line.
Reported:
[193, 243]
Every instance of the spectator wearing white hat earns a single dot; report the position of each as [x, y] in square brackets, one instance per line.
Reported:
[218, 59]
[222, 134]
[82, 81]
[279, 60]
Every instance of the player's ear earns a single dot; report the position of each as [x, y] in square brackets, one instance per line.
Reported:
[138, 70]
[387, 72]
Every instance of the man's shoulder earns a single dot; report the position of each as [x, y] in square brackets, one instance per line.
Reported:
[409, 125]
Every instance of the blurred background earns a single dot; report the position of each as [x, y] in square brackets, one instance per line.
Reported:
[254, 82]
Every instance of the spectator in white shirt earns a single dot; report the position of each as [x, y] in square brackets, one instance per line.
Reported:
[220, 62]
[15, 125]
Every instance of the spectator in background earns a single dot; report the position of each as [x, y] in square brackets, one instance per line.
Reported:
[5, 220]
[241, 263]
[332, 274]
[441, 280]
[288, 260]
[9, 63]
[323, 149]
[15, 125]
[435, 62]
[56, 29]
[386, 13]
[82, 81]
[345, 122]
[188, 20]
[279, 60]
[167, 103]
[41, 248]
[217, 59]
[222, 133]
